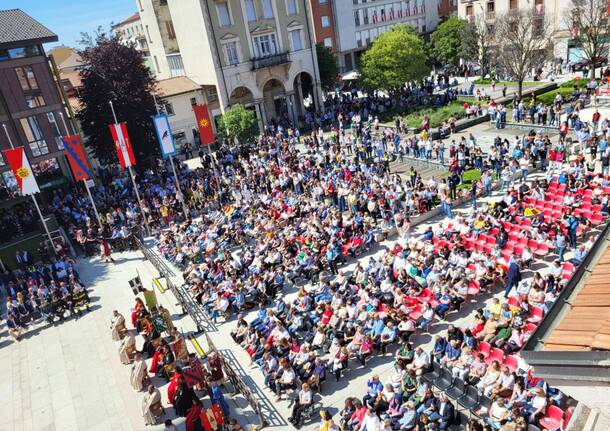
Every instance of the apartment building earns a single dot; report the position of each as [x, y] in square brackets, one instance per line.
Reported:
[30, 104]
[348, 27]
[554, 11]
[256, 52]
[447, 8]
[131, 31]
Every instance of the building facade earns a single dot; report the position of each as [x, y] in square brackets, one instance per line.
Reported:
[131, 31]
[179, 95]
[554, 12]
[447, 8]
[357, 23]
[30, 105]
[323, 23]
[256, 52]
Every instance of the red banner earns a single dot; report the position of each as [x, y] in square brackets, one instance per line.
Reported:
[76, 157]
[122, 144]
[206, 133]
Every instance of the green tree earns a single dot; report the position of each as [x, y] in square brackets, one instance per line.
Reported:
[327, 66]
[395, 58]
[447, 41]
[116, 72]
[239, 123]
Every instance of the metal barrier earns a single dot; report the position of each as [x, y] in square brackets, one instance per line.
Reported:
[238, 384]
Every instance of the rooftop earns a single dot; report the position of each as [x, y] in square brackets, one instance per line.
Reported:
[16, 26]
[132, 18]
[176, 85]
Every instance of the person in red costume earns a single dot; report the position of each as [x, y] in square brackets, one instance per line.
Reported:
[193, 419]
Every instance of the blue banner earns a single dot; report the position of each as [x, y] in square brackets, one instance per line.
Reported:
[164, 135]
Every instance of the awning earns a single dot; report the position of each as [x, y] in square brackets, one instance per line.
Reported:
[350, 76]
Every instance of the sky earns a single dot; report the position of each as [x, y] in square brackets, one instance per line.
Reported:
[68, 18]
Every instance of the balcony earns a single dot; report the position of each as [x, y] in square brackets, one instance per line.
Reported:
[270, 60]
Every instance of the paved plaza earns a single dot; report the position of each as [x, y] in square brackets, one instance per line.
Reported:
[69, 377]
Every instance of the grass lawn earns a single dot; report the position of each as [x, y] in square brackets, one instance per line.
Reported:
[437, 115]
[500, 83]
[564, 89]
[7, 254]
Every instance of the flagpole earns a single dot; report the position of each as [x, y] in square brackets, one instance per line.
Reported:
[133, 180]
[97, 215]
[44, 223]
[171, 161]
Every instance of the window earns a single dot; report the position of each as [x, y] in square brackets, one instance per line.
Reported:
[323, 1]
[157, 64]
[265, 45]
[26, 51]
[169, 26]
[56, 131]
[34, 136]
[491, 7]
[176, 67]
[193, 101]
[26, 78]
[168, 108]
[328, 42]
[250, 10]
[295, 38]
[212, 94]
[267, 9]
[34, 100]
[513, 4]
[231, 52]
[224, 17]
[325, 21]
[148, 35]
[357, 18]
[291, 7]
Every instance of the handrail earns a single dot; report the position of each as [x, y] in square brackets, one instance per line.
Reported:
[238, 384]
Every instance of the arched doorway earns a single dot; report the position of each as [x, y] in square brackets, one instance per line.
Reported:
[241, 95]
[274, 99]
[304, 93]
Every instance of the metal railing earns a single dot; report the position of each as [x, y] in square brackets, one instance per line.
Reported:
[239, 386]
[270, 60]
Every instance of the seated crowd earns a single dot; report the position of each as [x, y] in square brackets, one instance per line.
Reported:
[46, 292]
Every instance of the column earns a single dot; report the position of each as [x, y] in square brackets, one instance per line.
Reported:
[259, 116]
[292, 109]
[261, 106]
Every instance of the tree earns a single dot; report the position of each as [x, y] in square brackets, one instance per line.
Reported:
[116, 72]
[239, 123]
[588, 23]
[395, 58]
[447, 40]
[327, 66]
[522, 42]
[477, 39]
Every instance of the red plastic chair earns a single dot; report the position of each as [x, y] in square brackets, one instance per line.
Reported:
[542, 250]
[566, 419]
[568, 267]
[416, 313]
[523, 241]
[596, 218]
[514, 302]
[536, 315]
[473, 288]
[495, 355]
[518, 251]
[484, 348]
[552, 419]
[529, 328]
[512, 362]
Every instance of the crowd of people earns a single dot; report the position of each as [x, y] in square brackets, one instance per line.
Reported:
[164, 358]
[48, 292]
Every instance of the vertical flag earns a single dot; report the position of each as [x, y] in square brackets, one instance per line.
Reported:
[122, 144]
[76, 157]
[164, 134]
[203, 122]
[20, 166]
